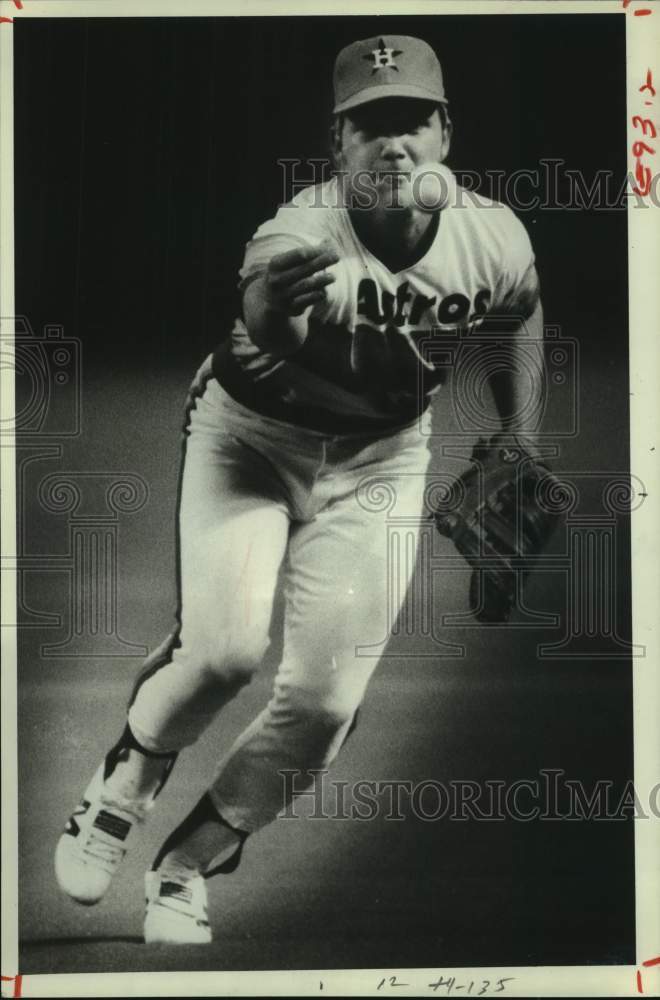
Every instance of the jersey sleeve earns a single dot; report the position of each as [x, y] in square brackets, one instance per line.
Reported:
[518, 290]
[299, 223]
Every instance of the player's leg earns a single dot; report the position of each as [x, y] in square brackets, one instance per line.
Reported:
[233, 528]
[342, 594]
[344, 590]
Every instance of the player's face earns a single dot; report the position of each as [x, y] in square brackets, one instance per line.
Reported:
[383, 141]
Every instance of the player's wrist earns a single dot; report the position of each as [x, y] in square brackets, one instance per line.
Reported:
[269, 323]
[277, 333]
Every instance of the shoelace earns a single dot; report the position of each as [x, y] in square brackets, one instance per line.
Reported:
[133, 809]
[101, 850]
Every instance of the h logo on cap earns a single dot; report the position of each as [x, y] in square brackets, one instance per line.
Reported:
[417, 76]
[383, 56]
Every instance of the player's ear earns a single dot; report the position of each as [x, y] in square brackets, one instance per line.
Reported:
[447, 131]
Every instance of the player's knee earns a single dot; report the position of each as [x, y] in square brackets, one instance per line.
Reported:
[236, 663]
[325, 709]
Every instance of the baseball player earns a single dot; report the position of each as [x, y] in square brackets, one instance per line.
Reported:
[322, 389]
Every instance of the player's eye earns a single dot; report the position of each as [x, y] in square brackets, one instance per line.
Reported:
[420, 125]
[413, 127]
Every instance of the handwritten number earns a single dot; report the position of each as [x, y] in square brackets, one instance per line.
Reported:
[646, 125]
[642, 172]
[443, 982]
[643, 175]
[392, 981]
[450, 984]
[639, 148]
[649, 83]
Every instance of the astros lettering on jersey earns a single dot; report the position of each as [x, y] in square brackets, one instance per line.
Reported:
[364, 359]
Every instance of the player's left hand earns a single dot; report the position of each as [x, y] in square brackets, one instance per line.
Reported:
[500, 522]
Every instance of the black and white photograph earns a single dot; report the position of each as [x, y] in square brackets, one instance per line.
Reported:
[330, 558]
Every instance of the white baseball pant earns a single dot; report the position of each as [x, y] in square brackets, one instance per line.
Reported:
[257, 493]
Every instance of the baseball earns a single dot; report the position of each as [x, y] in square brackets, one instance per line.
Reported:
[433, 186]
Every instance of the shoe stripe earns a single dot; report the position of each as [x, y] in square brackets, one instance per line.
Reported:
[113, 825]
[175, 889]
[72, 827]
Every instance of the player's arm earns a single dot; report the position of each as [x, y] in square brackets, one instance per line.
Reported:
[517, 385]
[277, 302]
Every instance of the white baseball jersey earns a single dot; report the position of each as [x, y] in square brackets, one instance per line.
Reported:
[371, 357]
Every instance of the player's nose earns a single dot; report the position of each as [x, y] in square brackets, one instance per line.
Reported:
[392, 148]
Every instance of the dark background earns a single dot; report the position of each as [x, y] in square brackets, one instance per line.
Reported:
[145, 156]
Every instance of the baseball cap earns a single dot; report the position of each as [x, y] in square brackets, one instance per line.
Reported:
[386, 66]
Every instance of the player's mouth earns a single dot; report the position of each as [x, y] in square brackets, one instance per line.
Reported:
[391, 177]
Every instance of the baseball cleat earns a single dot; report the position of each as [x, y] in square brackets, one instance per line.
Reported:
[94, 841]
[176, 908]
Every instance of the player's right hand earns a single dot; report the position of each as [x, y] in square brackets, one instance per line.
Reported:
[298, 278]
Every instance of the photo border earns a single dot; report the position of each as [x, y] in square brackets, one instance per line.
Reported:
[643, 52]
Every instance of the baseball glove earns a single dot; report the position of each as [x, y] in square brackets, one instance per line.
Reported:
[499, 525]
